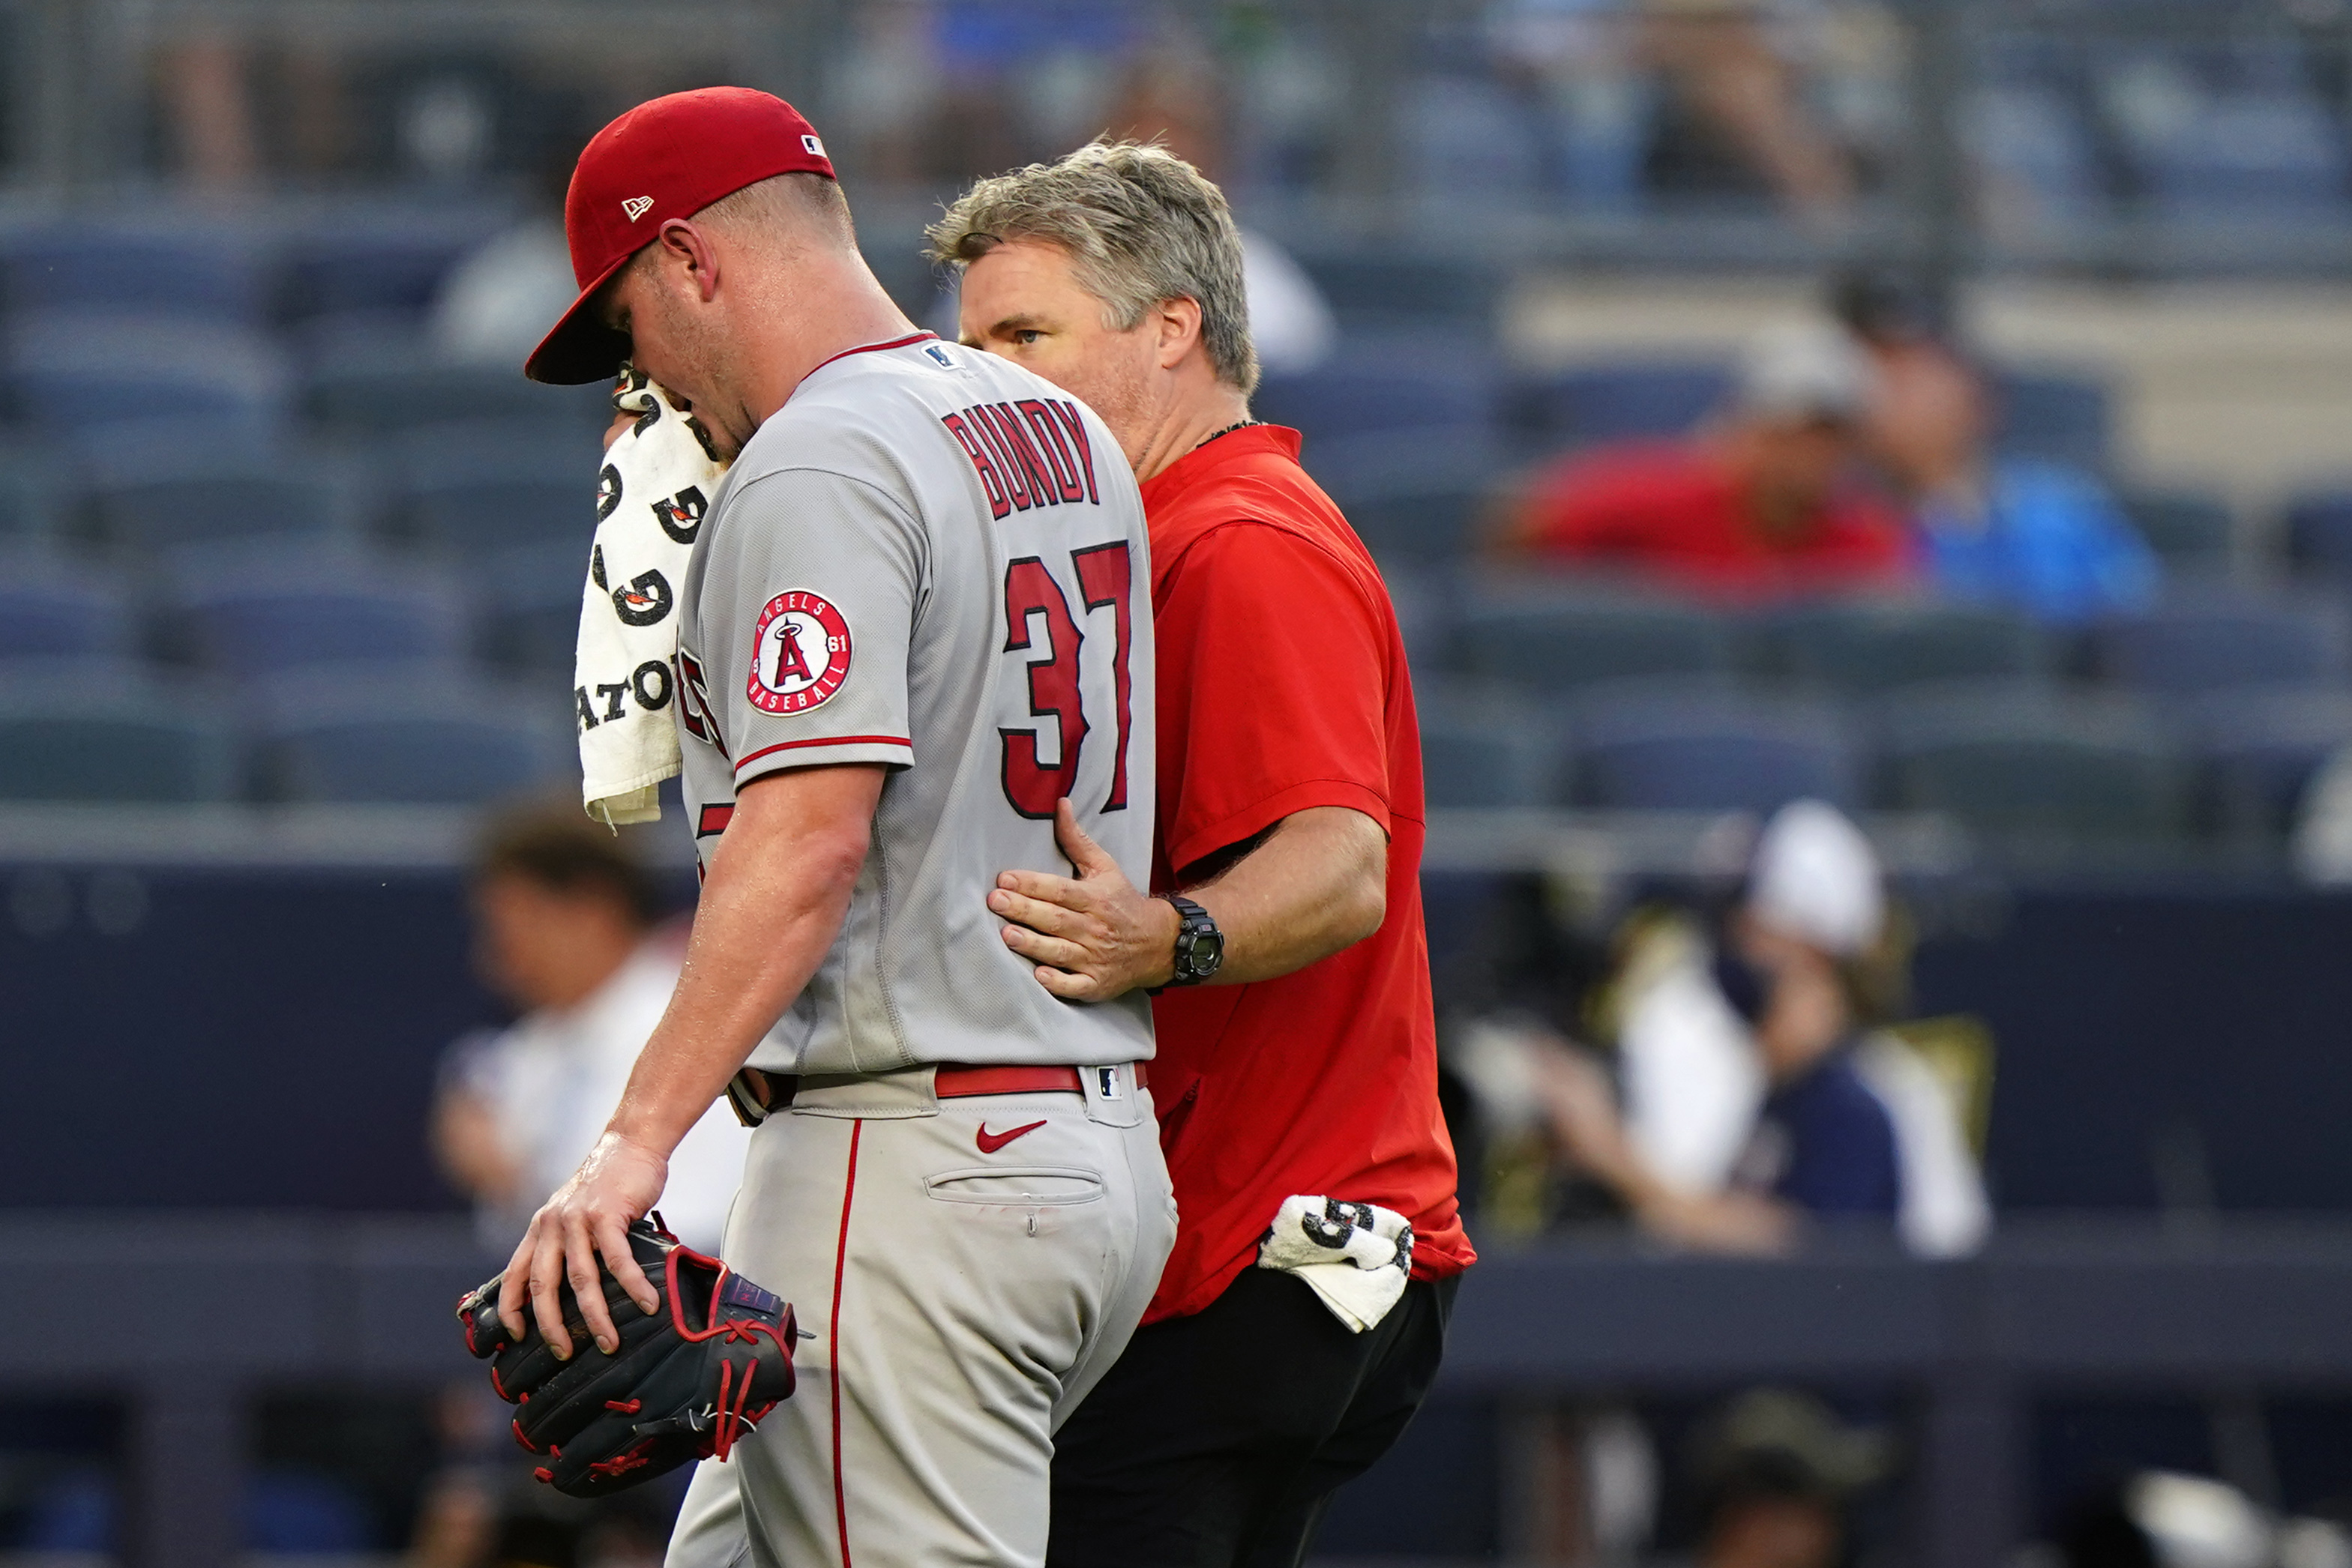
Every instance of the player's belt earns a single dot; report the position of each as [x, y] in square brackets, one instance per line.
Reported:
[772, 1092]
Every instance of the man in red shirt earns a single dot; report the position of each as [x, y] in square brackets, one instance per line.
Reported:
[1297, 1047]
[1754, 505]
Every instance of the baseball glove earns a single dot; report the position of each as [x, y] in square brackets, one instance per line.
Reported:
[685, 1382]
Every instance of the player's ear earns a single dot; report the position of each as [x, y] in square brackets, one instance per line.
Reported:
[1180, 330]
[689, 246]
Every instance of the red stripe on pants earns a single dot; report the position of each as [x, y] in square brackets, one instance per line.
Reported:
[840, 1258]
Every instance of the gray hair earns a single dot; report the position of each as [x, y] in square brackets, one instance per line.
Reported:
[1141, 226]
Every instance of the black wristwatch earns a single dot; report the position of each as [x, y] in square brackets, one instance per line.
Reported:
[1200, 946]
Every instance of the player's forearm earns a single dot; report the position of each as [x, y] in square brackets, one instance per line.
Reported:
[770, 908]
[1318, 885]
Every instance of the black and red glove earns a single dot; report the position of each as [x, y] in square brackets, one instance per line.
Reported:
[685, 1382]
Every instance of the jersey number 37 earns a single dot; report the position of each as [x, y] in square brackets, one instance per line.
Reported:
[1038, 620]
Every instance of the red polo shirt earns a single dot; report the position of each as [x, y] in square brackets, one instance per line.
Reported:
[1283, 686]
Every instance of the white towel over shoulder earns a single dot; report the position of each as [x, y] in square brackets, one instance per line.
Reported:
[658, 481]
[1357, 1255]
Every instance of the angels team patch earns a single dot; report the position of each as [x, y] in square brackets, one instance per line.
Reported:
[799, 653]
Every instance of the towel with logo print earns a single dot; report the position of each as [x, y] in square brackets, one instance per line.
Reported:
[686, 1382]
[657, 483]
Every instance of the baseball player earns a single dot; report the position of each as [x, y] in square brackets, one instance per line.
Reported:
[916, 617]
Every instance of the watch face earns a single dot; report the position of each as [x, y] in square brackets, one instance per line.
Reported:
[1208, 952]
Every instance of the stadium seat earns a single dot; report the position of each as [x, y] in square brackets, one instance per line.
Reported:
[367, 401]
[250, 612]
[2208, 131]
[1864, 647]
[1466, 136]
[84, 376]
[1357, 394]
[1372, 292]
[1558, 640]
[2319, 534]
[2204, 642]
[2260, 748]
[485, 486]
[530, 606]
[1485, 749]
[31, 495]
[72, 732]
[1592, 403]
[2057, 418]
[406, 740]
[2033, 767]
[2192, 530]
[1710, 754]
[199, 277]
[55, 609]
[164, 499]
[368, 271]
[1421, 503]
[2036, 144]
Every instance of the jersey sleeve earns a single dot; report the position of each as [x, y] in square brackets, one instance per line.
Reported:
[813, 584]
[1274, 663]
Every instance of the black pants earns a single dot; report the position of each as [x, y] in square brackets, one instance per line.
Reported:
[1218, 1439]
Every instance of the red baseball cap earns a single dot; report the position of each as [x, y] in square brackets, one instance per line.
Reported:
[666, 159]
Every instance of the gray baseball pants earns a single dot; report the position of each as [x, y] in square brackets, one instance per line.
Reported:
[963, 1289]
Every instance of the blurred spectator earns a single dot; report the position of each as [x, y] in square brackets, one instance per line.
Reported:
[1775, 1471]
[496, 303]
[1753, 1093]
[2046, 538]
[208, 104]
[1754, 504]
[566, 931]
[1726, 62]
[1175, 99]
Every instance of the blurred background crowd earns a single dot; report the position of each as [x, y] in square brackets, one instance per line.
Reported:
[1867, 482]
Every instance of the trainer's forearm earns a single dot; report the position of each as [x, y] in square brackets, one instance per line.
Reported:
[1319, 883]
[771, 905]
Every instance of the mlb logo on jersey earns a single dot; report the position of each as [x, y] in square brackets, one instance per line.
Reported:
[799, 653]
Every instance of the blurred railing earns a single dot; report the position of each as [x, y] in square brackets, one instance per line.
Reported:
[185, 1318]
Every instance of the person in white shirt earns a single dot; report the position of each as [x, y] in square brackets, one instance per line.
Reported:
[567, 930]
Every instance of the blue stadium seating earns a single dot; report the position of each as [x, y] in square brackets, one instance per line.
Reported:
[164, 499]
[2194, 531]
[1354, 395]
[2319, 534]
[530, 606]
[1484, 749]
[2055, 417]
[2223, 128]
[85, 376]
[203, 277]
[2260, 748]
[1560, 639]
[250, 612]
[1463, 136]
[1417, 501]
[70, 731]
[1371, 292]
[487, 486]
[368, 401]
[57, 610]
[2034, 140]
[2034, 767]
[1864, 647]
[406, 739]
[1714, 754]
[1591, 404]
[2206, 641]
[368, 271]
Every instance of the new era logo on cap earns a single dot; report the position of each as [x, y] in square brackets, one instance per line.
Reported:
[637, 207]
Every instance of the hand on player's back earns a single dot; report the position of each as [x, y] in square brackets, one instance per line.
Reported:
[1093, 938]
[618, 1182]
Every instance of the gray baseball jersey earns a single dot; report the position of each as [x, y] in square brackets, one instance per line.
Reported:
[932, 559]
